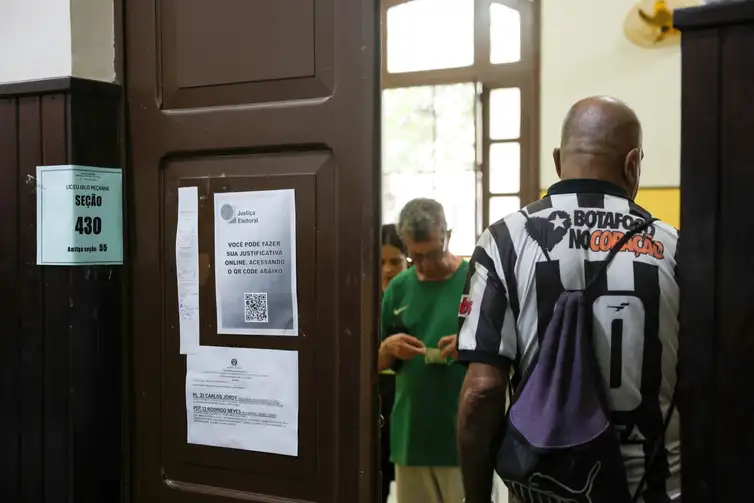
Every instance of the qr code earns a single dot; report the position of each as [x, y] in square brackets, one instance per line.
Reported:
[255, 308]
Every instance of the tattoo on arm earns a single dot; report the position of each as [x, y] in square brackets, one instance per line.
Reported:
[480, 422]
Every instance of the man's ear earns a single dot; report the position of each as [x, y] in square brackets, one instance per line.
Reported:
[632, 171]
[556, 159]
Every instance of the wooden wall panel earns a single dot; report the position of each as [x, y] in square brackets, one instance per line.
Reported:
[10, 342]
[715, 265]
[60, 358]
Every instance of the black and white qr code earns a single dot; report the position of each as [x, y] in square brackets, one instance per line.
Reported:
[255, 308]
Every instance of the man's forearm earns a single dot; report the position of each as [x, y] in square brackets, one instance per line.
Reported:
[480, 422]
[384, 359]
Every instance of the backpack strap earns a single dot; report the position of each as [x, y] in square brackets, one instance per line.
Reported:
[659, 445]
[644, 224]
[633, 231]
[660, 441]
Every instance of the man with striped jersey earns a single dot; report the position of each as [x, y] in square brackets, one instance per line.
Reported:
[512, 287]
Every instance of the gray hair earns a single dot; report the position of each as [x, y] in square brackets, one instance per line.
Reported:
[420, 217]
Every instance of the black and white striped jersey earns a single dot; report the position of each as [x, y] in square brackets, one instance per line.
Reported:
[511, 290]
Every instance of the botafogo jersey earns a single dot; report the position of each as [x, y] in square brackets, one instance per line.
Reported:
[511, 290]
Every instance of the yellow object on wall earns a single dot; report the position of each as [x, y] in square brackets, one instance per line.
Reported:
[662, 202]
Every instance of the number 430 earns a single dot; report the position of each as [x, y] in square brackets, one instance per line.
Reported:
[88, 225]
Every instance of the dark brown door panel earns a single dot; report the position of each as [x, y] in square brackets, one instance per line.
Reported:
[245, 95]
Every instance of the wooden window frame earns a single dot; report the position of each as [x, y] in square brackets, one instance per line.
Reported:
[524, 74]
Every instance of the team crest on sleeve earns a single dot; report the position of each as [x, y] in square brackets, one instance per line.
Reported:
[464, 310]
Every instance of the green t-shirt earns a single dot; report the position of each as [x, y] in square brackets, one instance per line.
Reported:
[423, 422]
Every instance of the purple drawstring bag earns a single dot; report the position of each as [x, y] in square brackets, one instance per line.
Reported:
[559, 444]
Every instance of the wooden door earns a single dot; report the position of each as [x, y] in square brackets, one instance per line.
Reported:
[716, 363]
[235, 95]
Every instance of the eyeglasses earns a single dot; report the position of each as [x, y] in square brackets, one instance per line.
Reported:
[433, 256]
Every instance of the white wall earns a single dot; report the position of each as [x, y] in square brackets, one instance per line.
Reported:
[584, 52]
[35, 39]
[92, 39]
[42, 39]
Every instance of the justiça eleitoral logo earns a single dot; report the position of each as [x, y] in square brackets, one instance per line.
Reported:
[228, 213]
[233, 216]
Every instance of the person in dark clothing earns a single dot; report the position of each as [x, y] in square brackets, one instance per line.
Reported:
[393, 263]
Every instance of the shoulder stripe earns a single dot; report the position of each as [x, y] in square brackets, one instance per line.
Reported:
[489, 328]
[638, 211]
[541, 205]
[480, 256]
[507, 252]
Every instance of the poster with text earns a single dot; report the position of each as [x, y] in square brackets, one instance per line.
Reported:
[255, 262]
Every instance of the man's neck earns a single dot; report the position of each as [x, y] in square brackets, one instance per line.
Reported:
[451, 263]
[566, 186]
[592, 168]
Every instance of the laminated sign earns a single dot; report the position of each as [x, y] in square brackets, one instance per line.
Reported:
[79, 215]
[255, 262]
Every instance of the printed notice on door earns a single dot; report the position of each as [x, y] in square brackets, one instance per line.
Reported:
[243, 399]
[79, 215]
[255, 263]
[187, 267]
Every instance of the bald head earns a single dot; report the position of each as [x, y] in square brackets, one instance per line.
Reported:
[601, 138]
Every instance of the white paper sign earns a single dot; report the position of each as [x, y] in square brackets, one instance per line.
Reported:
[79, 215]
[255, 263]
[243, 399]
[187, 267]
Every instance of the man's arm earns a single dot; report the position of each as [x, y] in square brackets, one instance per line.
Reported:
[394, 345]
[487, 343]
[384, 359]
[480, 417]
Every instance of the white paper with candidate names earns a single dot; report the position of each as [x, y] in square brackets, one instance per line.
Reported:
[242, 398]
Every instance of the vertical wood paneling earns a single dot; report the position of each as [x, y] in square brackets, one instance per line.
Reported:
[10, 350]
[57, 299]
[60, 358]
[31, 380]
[95, 347]
[697, 269]
[735, 268]
[715, 264]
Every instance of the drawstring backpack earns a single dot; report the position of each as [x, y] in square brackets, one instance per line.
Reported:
[559, 444]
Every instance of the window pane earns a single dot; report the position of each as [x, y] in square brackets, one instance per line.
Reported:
[428, 150]
[505, 113]
[500, 207]
[429, 129]
[505, 34]
[455, 191]
[430, 35]
[505, 168]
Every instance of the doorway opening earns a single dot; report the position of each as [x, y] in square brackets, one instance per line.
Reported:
[460, 109]
[460, 124]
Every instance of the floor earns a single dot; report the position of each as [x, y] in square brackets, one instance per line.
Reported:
[500, 496]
